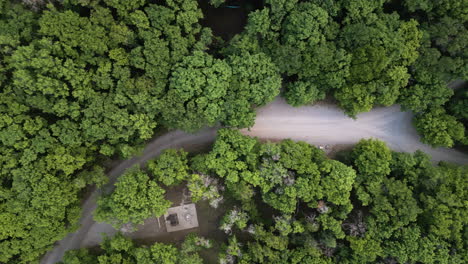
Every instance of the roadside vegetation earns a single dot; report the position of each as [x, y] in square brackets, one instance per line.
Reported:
[369, 53]
[286, 202]
[120, 249]
[85, 81]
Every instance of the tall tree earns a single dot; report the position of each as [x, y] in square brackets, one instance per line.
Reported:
[438, 128]
[197, 90]
[170, 167]
[136, 197]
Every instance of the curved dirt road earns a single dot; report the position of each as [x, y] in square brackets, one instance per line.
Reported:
[319, 124]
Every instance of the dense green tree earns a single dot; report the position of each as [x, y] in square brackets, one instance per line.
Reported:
[204, 90]
[390, 199]
[234, 217]
[123, 7]
[299, 38]
[80, 80]
[16, 29]
[336, 181]
[231, 157]
[427, 93]
[136, 197]
[120, 249]
[314, 58]
[350, 49]
[372, 159]
[458, 107]
[290, 177]
[444, 24]
[289, 203]
[438, 128]
[445, 213]
[198, 86]
[170, 167]
[382, 47]
[442, 59]
[405, 201]
[217, 3]
[364, 54]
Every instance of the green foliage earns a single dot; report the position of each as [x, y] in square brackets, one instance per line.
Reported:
[428, 93]
[458, 107]
[352, 50]
[231, 156]
[204, 90]
[405, 208]
[196, 93]
[170, 167]
[363, 54]
[445, 213]
[294, 205]
[120, 249]
[438, 128]
[337, 181]
[204, 187]
[234, 217]
[136, 197]
[302, 46]
[217, 3]
[372, 159]
[290, 177]
[364, 250]
[79, 81]
[85, 80]
[231, 251]
[459, 104]
[255, 82]
[382, 48]
[442, 58]
[412, 207]
[123, 6]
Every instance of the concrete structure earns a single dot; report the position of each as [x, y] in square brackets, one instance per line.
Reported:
[181, 218]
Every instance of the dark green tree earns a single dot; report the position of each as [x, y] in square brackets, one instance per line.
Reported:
[120, 250]
[136, 197]
[255, 82]
[438, 128]
[197, 90]
[170, 167]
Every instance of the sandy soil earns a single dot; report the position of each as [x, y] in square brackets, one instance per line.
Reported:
[319, 125]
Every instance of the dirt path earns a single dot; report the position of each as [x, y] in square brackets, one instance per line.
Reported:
[320, 124]
[327, 124]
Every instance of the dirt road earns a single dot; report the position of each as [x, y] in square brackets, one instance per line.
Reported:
[319, 124]
[327, 124]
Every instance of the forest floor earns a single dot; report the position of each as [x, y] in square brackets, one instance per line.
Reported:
[320, 124]
[225, 22]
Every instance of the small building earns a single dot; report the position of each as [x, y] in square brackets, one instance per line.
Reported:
[181, 217]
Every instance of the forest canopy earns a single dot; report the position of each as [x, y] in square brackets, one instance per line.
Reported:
[368, 53]
[287, 202]
[85, 81]
[120, 249]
